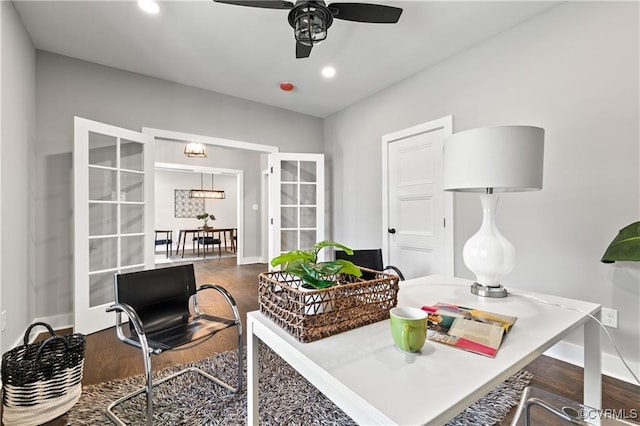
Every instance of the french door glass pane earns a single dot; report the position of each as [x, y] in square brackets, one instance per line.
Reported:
[131, 186]
[102, 150]
[289, 217]
[102, 219]
[307, 217]
[103, 253]
[132, 250]
[131, 218]
[307, 239]
[101, 289]
[102, 185]
[289, 171]
[131, 155]
[289, 194]
[288, 240]
[308, 194]
[308, 171]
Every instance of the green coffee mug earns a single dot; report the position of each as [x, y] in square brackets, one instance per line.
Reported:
[408, 328]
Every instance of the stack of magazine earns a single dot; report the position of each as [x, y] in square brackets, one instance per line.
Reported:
[470, 329]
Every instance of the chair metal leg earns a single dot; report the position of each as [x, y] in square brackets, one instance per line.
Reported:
[150, 384]
[528, 400]
[148, 389]
[146, 353]
[149, 393]
[240, 357]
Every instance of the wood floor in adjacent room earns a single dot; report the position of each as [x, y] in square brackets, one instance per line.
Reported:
[106, 358]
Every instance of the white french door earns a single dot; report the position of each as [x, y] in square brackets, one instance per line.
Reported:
[417, 213]
[113, 215]
[297, 202]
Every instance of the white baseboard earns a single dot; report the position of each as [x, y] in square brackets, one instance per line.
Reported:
[611, 364]
[251, 260]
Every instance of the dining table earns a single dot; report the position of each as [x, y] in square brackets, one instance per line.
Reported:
[202, 232]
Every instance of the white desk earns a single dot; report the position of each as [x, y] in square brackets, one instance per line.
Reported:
[363, 374]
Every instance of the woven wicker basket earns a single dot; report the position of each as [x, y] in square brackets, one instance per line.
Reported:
[310, 315]
[42, 380]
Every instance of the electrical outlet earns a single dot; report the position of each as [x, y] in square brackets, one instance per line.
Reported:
[3, 320]
[610, 317]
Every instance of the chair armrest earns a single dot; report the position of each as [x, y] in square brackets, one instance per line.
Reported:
[225, 294]
[120, 308]
[396, 270]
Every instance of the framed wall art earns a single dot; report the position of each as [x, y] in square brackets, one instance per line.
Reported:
[184, 206]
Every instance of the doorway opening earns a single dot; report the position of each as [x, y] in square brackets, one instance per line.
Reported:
[250, 223]
[173, 211]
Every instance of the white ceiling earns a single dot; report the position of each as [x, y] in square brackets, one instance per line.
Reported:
[246, 52]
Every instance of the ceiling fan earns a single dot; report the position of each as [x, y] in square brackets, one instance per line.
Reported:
[310, 19]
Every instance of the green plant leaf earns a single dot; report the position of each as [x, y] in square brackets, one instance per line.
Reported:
[322, 244]
[295, 268]
[319, 284]
[625, 246]
[291, 256]
[347, 267]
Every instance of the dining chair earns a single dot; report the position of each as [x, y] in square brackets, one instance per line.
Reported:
[207, 240]
[162, 308]
[166, 240]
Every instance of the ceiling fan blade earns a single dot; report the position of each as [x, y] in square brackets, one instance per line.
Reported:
[302, 50]
[265, 4]
[364, 12]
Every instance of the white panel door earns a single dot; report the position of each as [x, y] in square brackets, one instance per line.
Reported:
[113, 215]
[417, 213]
[297, 202]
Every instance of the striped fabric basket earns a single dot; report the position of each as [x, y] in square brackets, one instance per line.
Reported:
[42, 380]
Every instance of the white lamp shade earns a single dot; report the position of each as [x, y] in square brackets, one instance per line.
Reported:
[505, 158]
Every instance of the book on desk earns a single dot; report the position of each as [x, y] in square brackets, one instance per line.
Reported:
[466, 328]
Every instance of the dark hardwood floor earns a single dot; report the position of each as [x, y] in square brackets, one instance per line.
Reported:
[106, 358]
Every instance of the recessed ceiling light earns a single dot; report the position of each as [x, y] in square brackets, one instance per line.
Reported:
[328, 72]
[149, 6]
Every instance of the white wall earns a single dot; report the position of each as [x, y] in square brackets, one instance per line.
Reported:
[17, 277]
[68, 87]
[574, 71]
[225, 210]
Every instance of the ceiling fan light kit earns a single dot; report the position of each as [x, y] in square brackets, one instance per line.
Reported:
[310, 23]
[310, 19]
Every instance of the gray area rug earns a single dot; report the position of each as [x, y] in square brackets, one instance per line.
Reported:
[286, 398]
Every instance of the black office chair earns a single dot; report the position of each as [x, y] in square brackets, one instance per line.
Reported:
[370, 259]
[157, 302]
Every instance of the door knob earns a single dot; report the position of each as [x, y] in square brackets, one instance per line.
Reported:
[391, 230]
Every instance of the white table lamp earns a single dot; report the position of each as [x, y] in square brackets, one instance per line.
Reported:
[488, 161]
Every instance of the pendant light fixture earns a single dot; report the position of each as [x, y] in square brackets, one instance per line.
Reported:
[207, 193]
[195, 149]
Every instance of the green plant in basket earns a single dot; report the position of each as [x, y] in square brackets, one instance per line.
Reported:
[304, 265]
